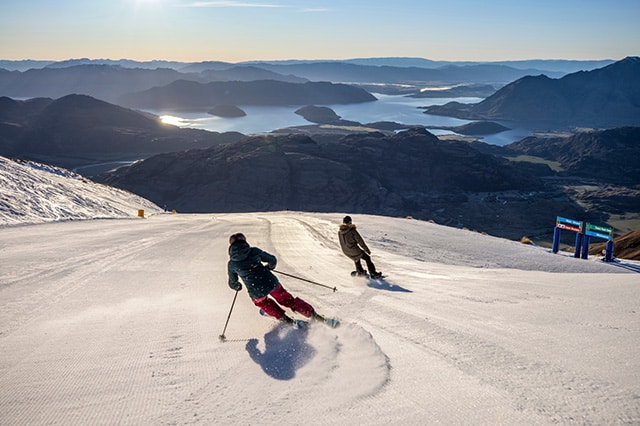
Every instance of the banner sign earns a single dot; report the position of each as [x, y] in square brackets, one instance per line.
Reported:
[597, 234]
[598, 231]
[568, 224]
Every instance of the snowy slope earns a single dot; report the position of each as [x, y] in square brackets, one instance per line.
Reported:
[34, 193]
[117, 322]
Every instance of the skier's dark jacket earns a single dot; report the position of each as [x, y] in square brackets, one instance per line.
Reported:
[246, 262]
[351, 242]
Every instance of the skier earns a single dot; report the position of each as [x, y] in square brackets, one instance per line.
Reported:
[254, 267]
[354, 247]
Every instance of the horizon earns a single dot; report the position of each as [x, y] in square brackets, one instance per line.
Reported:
[283, 30]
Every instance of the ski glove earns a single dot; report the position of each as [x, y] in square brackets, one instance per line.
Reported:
[237, 286]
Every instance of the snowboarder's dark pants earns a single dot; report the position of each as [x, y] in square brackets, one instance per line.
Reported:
[284, 298]
[370, 266]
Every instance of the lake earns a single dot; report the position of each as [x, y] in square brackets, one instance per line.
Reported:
[401, 109]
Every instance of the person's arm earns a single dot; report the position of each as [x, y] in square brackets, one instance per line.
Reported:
[361, 242]
[234, 283]
[269, 259]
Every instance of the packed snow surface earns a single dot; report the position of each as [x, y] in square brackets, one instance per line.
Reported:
[118, 322]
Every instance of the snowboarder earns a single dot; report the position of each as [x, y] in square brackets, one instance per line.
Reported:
[354, 247]
[254, 267]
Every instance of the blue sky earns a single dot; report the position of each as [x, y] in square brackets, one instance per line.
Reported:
[200, 30]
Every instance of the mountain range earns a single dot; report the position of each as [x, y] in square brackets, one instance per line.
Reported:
[77, 130]
[542, 65]
[108, 80]
[604, 97]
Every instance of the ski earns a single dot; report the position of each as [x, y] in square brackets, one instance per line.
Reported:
[295, 323]
[329, 322]
[303, 325]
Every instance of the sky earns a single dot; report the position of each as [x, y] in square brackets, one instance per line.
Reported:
[243, 30]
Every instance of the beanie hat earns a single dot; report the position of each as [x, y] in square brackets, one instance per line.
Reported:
[346, 219]
[237, 237]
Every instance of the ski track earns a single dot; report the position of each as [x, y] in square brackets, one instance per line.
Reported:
[121, 327]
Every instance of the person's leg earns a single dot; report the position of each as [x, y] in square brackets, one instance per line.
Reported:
[269, 306]
[296, 304]
[370, 266]
[359, 268]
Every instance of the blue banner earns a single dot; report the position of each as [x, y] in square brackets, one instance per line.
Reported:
[597, 234]
[569, 221]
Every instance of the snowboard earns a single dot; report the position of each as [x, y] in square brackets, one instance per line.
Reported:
[366, 275]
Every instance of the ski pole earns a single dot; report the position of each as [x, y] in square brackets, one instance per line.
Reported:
[222, 336]
[304, 279]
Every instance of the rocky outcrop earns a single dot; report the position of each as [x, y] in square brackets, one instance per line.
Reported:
[476, 128]
[411, 173]
[227, 111]
[607, 155]
[323, 115]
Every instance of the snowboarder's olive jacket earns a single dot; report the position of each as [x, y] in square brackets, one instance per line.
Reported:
[246, 262]
[351, 242]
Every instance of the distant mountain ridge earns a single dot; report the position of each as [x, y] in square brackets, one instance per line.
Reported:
[108, 80]
[190, 95]
[604, 97]
[542, 65]
[78, 129]
[104, 82]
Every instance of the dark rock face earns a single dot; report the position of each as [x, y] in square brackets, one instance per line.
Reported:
[605, 97]
[411, 173]
[608, 155]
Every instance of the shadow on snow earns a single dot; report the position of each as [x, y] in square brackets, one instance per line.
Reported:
[381, 284]
[285, 351]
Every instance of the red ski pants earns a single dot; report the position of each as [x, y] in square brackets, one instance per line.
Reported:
[284, 298]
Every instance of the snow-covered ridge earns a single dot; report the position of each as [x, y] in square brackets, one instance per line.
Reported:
[32, 192]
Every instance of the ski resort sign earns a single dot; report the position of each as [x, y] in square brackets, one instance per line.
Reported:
[603, 232]
[584, 231]
[568, 224]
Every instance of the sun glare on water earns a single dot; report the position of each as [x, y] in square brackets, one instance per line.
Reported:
[172, 119]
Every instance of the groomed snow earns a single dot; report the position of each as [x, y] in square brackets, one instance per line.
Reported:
[118, 322]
